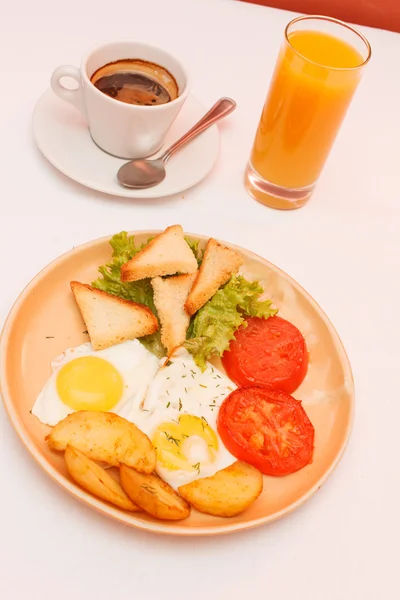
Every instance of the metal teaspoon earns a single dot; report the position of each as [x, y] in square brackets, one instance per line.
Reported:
[144, 173]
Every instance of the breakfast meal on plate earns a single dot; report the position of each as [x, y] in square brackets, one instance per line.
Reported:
[145, 415]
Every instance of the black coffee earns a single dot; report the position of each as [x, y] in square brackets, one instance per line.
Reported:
[136, 82]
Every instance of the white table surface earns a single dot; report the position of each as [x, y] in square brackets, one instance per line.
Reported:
[344, 248]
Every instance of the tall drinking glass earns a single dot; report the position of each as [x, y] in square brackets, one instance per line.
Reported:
[316, 74]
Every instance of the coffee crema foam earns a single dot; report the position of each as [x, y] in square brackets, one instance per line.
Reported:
[136, 81]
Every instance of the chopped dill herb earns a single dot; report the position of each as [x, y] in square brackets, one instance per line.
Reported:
[149, 488]
[196, 467]
[171, 439]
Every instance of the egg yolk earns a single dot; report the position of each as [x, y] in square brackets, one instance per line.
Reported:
[186, 444]
[89, 383]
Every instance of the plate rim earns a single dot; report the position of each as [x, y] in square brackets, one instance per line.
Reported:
[106, 509]
[129, 193]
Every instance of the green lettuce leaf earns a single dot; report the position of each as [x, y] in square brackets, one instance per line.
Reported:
[214, 325]
[194, 246]
[124, 248]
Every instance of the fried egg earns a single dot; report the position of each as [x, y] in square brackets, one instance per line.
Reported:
[179, 414]
[114, 380]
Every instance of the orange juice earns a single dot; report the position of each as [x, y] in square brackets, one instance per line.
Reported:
[315, 78]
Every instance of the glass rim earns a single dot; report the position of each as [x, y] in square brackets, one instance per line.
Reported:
[337, 22]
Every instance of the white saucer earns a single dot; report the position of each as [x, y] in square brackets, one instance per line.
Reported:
[63, 137]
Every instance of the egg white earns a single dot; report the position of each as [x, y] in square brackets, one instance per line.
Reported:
[136, 365]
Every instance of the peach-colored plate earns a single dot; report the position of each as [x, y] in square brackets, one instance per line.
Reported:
[45, 321]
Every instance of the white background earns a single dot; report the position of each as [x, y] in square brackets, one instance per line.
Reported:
[343, 248]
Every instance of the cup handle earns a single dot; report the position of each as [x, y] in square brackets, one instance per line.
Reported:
[74, 97]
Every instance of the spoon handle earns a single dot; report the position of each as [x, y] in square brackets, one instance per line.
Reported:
[221, 108]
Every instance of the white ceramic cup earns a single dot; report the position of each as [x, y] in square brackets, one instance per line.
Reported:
[124, 130]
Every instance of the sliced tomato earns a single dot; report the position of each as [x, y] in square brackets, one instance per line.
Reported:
[268, 352]
[267, 429]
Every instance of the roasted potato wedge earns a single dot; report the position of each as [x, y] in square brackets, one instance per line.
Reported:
[94, 479]
[105, 437]
[153, 495]
[227, 493]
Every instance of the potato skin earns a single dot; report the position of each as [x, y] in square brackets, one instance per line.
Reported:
[227, 493]
[94, 479]
[153, 495]
[105, 437]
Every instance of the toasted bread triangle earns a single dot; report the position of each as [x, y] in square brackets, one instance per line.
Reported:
[168, 253]
[170, 295]
[111, 320]
[219, 262]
